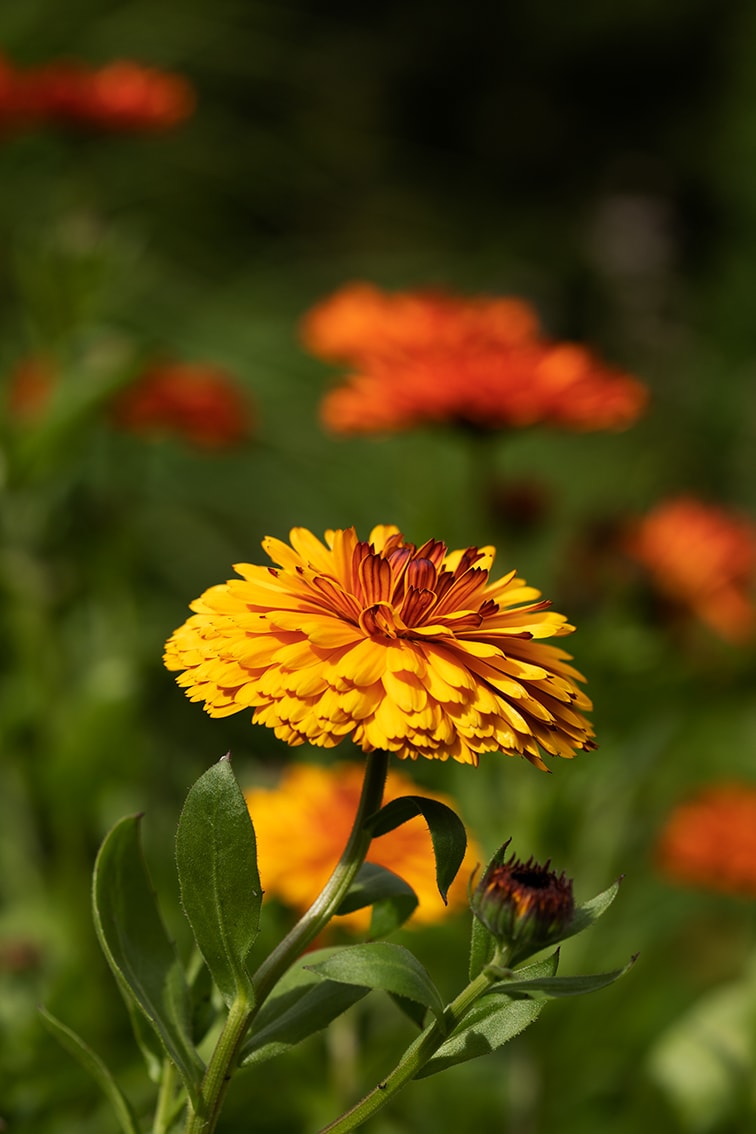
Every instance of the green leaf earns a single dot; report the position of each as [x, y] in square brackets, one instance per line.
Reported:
[203, 1009]
[372, 884]
[92, 1063]
[393, 900]
[380, 964]
[139, 951]
[150, 1046]
[216, 855]
[447, 832]
[482, 948]
[553, 986]
[591, 911]
[490, 1023]
[301, 1004]
[411, 1009]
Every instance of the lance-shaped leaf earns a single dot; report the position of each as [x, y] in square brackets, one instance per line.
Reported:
[447, 832]
[550, 987]
[301, 1004]
[482, 948]
[139, 951]
[591, 911]
[380, 964]
[216, 855]
[393, 900]
[91, 1062]
[486, 1026]
[490, 1023]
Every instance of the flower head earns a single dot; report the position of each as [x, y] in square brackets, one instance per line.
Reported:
[318, 805]
[525, 906]
[120, 96]
[702, 559]
[407, 649]
[200, 403]
[710, 840]
[429, 358]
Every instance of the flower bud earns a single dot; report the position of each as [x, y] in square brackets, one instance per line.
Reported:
[524, 905]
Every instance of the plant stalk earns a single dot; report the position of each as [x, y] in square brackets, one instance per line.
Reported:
[241, 1013]
[414, 1058]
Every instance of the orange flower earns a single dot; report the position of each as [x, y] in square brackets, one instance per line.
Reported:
[200, 403]
[407, 649]
[710, 841]
[122, 95]
[302, 827]
[703, 559]
[426, 357]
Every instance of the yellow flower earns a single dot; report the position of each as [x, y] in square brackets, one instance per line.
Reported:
[411, 650]
[319, 805]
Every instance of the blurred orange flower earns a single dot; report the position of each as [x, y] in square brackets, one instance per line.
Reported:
[122, 95]
[424, 357]
[200, 403]
[703, 559]
[302, 827]
[710, 841]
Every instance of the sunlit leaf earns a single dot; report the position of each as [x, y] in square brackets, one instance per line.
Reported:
[491, 1022]
[554, 986]
[382, 965]
[216, 855]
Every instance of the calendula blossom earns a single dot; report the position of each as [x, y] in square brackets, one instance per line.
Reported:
[709, 841]
[198, 402]
[702, 559]
[318, 804]
[408, 649]
[424, 358]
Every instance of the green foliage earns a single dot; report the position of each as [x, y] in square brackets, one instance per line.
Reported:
[393, 900]
[92, 1063]
[447, 832]
[331, 145]
[141, 955]
[383, 965]
[302, 1004]
[221, 893]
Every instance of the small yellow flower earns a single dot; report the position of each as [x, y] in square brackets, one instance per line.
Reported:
[302, 826]
[407, 649]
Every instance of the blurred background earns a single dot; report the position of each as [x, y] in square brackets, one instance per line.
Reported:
[597, 161]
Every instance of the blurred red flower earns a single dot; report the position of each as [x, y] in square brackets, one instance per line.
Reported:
[423, 357]
[702, 559]
[122, 95]
[200, 403]
[710, 841]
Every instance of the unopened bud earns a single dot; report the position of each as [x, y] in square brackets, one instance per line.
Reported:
[524, 905]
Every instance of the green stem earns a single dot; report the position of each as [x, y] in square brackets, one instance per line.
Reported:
[223, 1060]
[220, 1068]
[322, 909]
[414, 1058]
[168, 1103]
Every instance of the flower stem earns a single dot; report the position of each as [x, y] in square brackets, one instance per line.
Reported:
[167, 1104]
[414, 1058]
[241, 1013]
[220, 1068]
[322, 909]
